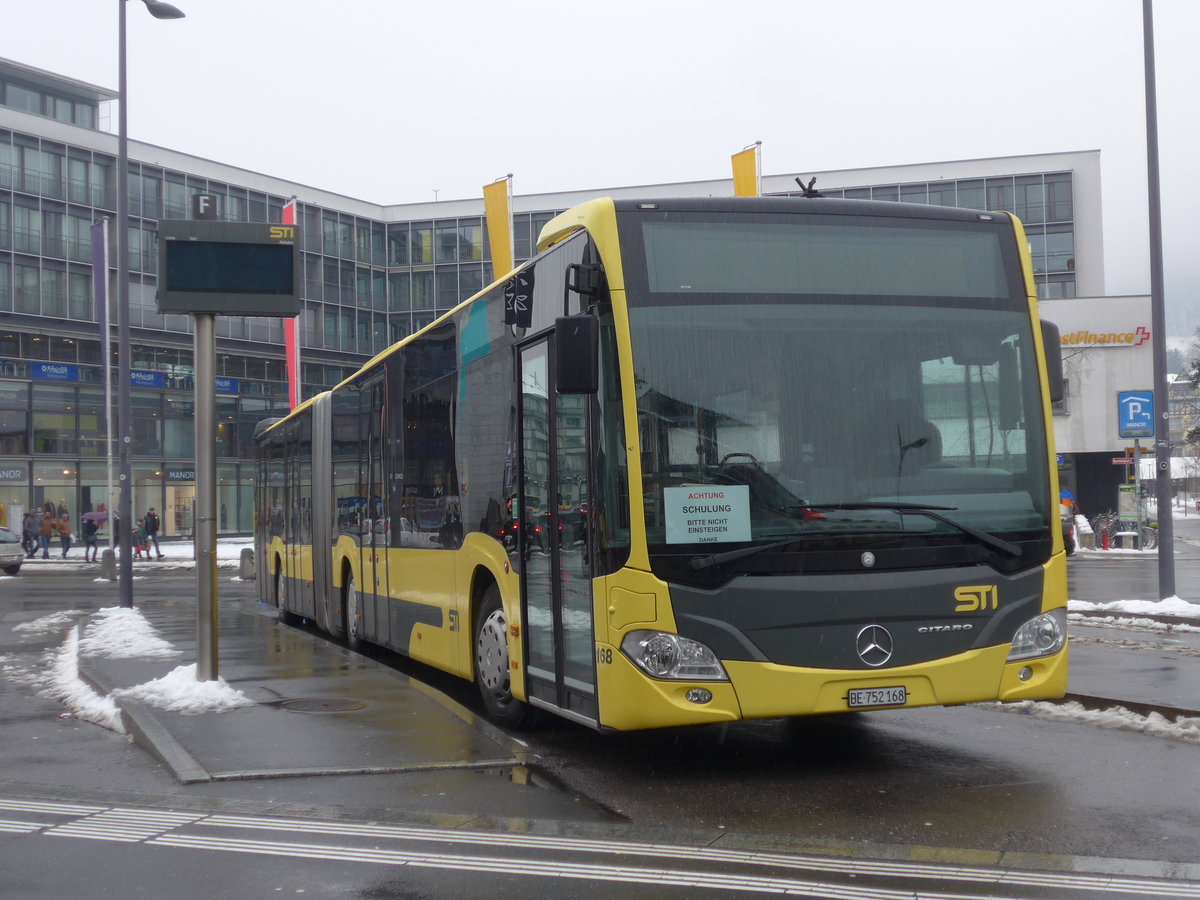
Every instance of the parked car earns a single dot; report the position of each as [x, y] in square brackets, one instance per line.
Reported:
[12, 554]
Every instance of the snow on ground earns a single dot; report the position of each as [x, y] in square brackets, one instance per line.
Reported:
[1171, 606]
[123, 633]
[1133, 623]
[179, 691]
[1116, 717]
[64, 685]
[176, 555]
[53, 622]
[116, 633]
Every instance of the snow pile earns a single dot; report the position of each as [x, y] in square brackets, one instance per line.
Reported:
[1132, 622]
[123, 633]
[64, 685]
[179, 691]
[1171, 606]
[1117, 717]
[53, 622]
[116, 633]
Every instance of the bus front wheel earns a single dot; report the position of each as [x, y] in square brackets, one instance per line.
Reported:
[492, 664]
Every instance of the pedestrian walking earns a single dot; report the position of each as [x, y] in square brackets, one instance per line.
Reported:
[46, 527]
[31, 531]
[64, 533]
[139, 540]
[151, 521]
[91, 549]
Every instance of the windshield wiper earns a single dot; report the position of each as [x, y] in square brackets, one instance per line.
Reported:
[930, 511]
[707, 562]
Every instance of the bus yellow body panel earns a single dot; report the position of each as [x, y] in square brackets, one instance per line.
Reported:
[631, 700]
[767, 690]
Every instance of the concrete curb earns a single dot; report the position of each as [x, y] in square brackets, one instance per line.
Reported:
[147, 732]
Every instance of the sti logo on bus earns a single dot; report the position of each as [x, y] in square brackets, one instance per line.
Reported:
[976, 597]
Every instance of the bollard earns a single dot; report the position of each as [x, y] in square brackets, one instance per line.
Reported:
[108, 564]
[246, 566]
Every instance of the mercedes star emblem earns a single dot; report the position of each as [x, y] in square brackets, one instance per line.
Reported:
[868, 559]
[874, 645]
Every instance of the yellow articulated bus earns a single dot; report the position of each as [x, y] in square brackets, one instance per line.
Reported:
[699, 460]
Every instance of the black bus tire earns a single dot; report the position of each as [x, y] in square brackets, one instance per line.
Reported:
[492, 673]
[352, 624]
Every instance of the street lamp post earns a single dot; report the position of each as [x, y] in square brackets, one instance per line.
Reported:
[1158, 322]
[124, 519]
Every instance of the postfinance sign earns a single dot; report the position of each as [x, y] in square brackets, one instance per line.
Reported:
[1085, 338]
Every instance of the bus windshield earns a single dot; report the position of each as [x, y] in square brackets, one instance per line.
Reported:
[812, 413]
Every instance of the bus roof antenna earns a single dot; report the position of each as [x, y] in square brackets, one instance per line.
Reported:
[808, 189]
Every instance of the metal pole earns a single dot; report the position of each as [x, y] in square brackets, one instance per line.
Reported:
[206, 496]
[109, 430]
[1158, 337]
[1137, 494]
[124, 522]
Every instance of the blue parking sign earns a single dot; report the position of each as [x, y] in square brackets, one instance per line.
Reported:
[1135, 414]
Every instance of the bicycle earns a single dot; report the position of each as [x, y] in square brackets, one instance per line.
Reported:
[1147, 534]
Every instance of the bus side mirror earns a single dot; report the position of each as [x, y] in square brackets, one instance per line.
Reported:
[576, 355]
[1054, 363]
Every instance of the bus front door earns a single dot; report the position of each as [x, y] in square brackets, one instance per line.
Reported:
[556, 584]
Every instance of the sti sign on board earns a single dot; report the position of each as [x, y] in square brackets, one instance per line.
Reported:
[228, 268]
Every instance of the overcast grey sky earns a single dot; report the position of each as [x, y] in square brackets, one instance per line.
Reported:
[390, 101]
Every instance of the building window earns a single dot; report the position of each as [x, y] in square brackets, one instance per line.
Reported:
[54, 419]
[397, 245]
[23, 98]
[27, 289]
[1000, 193]
[1060, 248]
[80, 301]
[1030, 199]
[970, 195]
[1059, 198]
[14, 418]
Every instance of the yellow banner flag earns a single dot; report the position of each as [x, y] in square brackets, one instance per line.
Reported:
[745, 172]
[499, 226]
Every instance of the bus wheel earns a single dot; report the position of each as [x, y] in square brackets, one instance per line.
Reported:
[492, 666]
[286, 616]
[279, 589]
[352, 615]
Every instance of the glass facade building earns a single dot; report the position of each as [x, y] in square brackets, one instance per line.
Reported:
[372, 275]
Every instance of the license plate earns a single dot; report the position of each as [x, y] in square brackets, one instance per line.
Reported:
[881, 696]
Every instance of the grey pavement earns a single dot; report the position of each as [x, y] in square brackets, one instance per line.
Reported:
[1141, 672]
[321, 710]
[318, 708]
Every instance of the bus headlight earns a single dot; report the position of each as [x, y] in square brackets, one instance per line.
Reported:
[664, 655]
[1040, 636]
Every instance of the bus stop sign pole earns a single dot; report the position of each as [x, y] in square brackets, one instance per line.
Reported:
[206, 497]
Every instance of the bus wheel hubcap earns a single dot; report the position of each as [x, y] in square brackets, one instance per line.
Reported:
[491, 653]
